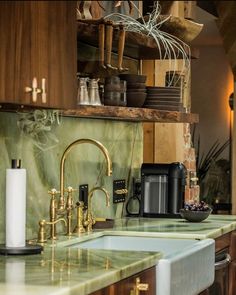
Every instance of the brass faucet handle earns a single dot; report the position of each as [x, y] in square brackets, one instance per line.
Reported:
[69, 203]
[70, 189]
[53, 192]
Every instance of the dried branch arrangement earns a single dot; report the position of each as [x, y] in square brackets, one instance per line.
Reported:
[174, 48]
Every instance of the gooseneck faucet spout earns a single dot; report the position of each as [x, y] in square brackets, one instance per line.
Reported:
[62, 164]
[89, 219]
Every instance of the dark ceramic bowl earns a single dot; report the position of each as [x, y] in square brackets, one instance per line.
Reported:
[136, 99]
[136, 86]
[114, 99]
[194, 216]
[136, 90]
[133, 78]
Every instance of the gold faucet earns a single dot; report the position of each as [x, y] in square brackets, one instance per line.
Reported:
[64, 207]
[62, 164]
[90, 221]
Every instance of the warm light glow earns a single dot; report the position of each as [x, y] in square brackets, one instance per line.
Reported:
[231, 118]
[229, 89]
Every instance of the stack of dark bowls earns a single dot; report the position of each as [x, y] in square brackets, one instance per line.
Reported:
[136, 89]
[114, 92]
[164, 98]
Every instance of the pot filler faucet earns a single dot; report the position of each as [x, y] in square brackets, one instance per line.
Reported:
[64, 206]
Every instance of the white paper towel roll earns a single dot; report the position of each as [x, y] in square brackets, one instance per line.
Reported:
[15, 207]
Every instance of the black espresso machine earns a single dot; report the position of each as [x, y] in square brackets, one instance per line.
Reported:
[162, 189]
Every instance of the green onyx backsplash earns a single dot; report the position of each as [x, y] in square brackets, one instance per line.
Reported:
[85, 164]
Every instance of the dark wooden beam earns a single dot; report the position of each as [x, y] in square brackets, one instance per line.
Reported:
[208, 6]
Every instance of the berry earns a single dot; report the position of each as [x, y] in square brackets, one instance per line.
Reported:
[196, 206]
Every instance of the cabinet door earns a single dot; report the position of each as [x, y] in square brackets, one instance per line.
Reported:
[232, 269]
[126, 286]
[38, 41]
[15, 57]
[232, 275]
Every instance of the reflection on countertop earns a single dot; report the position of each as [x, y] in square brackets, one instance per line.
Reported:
[62, 270]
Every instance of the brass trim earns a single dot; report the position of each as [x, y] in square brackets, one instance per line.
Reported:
[53, 211]
[42, 229]
[80, 218]
[139, 287]
[69, 209]
[121, 191]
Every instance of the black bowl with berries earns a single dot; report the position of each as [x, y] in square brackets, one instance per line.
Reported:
[195, 211]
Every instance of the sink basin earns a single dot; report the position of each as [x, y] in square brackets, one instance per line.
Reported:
[187, 266]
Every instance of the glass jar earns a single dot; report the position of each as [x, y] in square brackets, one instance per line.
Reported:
[82, 96]
[93, 92]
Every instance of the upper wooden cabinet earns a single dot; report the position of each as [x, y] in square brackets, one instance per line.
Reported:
[38, 50]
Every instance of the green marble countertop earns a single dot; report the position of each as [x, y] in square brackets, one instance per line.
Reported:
[61, 270]
[213, 227]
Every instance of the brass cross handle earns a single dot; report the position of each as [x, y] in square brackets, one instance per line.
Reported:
[139, 287]
[53, 192]
[70, 189]
[69, 203]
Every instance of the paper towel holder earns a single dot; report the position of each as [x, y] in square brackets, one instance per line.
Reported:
[27, 250]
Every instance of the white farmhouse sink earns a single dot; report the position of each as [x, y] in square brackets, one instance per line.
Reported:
[187, 266]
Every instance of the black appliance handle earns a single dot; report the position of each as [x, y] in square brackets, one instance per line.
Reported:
[134, 197]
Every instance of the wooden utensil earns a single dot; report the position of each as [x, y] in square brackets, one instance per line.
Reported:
[109, 37]
[86, 9]
[121, 45]
[101, 44]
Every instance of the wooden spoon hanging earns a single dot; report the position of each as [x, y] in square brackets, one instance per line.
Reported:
[109, 38]
[121, 45]
[101, 44]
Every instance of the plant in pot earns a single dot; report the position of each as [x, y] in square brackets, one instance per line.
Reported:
[213, 172]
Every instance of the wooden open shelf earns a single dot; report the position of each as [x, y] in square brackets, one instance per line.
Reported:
[131, 114]
[115, 113]
[137, 46]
